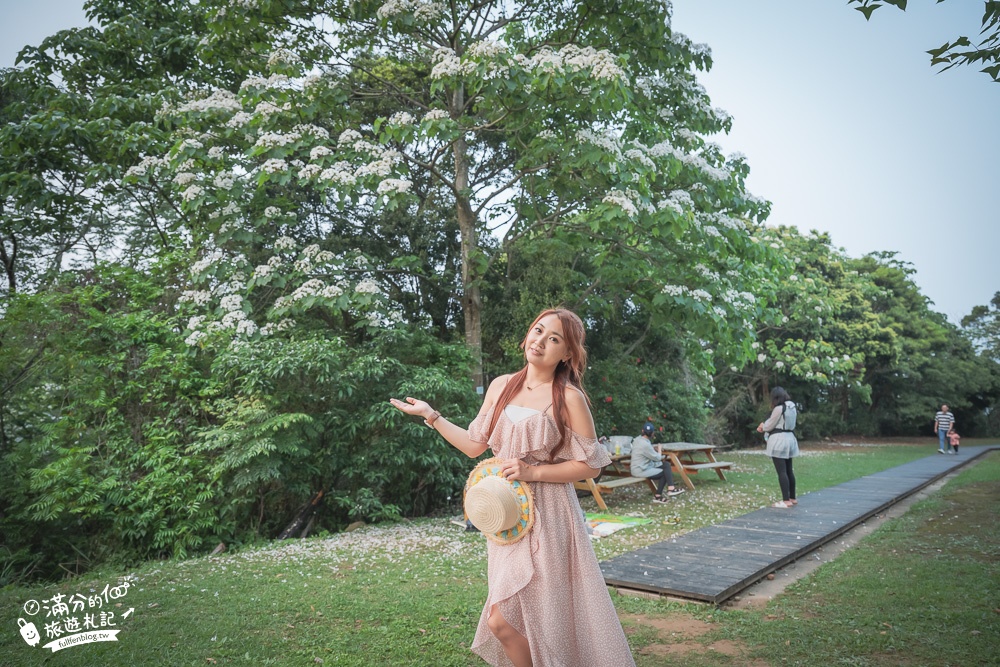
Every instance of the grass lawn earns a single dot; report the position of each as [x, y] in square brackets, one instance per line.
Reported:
[921, 591]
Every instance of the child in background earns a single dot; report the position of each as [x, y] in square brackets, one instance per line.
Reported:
[953, 440]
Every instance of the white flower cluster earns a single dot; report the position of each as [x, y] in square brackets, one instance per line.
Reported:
[341, 173]
[239, 119]
[675, 290]
[381, 166]
[682, 198]
[184, 178]
[367, 286]
[283, 57]
[266, 109]
[394, 185]
[277, 139]
[349, 136]
[319, 152]
[272, 212]
[436, 114]
[310, 171]
[224, 181]
[701, 295]
[285, 243]
[274, 166]
[145, 165]
[197, 297]
[402, 118]
[486, 48]
[701, 164]
[231, 302]
[275, 81]
[218, 100]
[602, 64]
[206, 262]
[623, 201]
[192, 193]
[639, 156]
[314, 130]
[312, 287]
[422, 10]
[605, 140]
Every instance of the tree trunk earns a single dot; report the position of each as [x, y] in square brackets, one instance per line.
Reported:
[472, 303]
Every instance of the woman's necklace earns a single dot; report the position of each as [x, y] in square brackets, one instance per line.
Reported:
[536, 386]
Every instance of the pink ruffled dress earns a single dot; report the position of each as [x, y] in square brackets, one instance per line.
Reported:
[548, 585]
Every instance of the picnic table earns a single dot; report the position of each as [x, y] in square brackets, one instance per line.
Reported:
[685, 458]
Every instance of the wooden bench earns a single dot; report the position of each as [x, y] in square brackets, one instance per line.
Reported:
[607, 485]
[718, 466]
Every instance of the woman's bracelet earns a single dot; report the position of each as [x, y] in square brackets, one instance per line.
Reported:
[429, 422]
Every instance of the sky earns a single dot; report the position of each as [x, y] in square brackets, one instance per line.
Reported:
[846, 127]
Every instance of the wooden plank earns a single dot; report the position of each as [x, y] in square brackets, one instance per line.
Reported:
[620, 481]
[705, 466]
[714, 563]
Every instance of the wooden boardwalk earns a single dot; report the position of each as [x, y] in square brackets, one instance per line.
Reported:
[714, 563]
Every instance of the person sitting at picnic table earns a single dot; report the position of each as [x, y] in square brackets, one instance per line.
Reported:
[647, 462]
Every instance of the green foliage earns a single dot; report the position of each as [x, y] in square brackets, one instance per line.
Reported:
[961, 50]
[93, 428]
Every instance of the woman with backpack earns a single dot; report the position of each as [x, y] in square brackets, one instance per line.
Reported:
[782, 446]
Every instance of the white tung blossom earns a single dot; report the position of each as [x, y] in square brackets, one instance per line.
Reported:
[340, 173]
[219, 100]
[192, 193]
[605, 140]
[319, 152]
[401, 118]
[224, 180]
[277, 139]
[349, 137]
[675, 290]
[394, 185]
[310, 171]
[282, 56]
[239, 119]
[285, 243]
[231, 302]
[195, 338]
[623, 201]
[197, 297]
[422, 10]
[274, 166]
[701, 295]
[436, 114]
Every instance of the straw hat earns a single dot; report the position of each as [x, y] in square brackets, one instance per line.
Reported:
[502, 509]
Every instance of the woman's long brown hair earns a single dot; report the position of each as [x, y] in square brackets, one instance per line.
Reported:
[568, 373]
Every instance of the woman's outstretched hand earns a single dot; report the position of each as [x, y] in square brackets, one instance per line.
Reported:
[413, 407]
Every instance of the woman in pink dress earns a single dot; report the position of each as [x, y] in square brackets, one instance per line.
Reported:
[548, 605]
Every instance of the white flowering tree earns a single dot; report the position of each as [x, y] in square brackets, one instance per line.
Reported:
[527, 119]
[821, 334]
